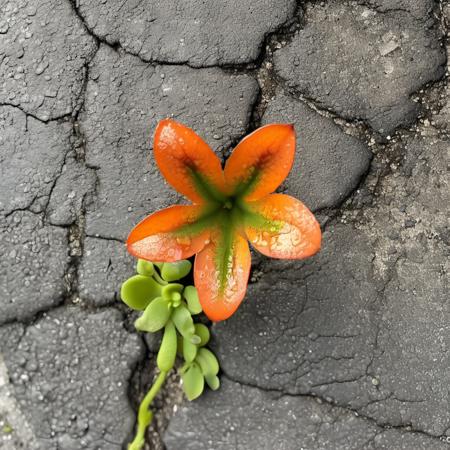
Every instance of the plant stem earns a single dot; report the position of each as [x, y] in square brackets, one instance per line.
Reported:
[145, 416]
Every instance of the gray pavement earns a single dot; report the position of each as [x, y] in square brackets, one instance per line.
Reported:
[347, 350]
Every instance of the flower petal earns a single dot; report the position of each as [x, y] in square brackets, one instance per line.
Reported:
[281, 226]
[221, 272]
[187, 162]
[171, 234]
[261, 161]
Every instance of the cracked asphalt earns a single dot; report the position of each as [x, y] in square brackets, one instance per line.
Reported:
[347, 350]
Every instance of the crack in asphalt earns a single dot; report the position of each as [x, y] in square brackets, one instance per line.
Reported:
[105, 238]
[116, 45]
[382, 426]
[257, 69]
[34, 116]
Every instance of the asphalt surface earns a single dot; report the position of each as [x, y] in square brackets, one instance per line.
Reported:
[347, 350]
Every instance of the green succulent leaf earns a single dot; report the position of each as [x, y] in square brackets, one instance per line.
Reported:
[202, 332]
[155, 316]
[145, 268]
[176, 270]
[207, 362]
[138, 291]
[168, 350]
[183, 321]
[189, 350]
[191, 295]
[193, 381]
[212, 381]
[172, 293]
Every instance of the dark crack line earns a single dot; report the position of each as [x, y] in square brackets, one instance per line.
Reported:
[315, 105]
[54, 183]
[286, 29]
[256, 113]
[76, 230]
[258, 70]
[116, 45]
[358, 121]
[33, 319]
[264, 72]
[27, 208]
[105, 238]
[59, 118]
[86, 307]
[380, 10]
[385, 10]
[407, 428]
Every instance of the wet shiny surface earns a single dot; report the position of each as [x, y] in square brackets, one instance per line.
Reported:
[220, 300]
[261, 161]
[290, 230]
[179, 152]
[276, 225]
[156, 237]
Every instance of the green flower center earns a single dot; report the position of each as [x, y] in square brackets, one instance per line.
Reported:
[228, 203]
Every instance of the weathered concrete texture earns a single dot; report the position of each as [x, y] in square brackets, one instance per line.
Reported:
[74, 186]
[125, 100]
[32, 156]
[241, 417]
[15, 432]
[104, 267]
[413, 257]
[313, 321]
[200, 33]
[33, 261]
[362, 64]
[420, 9]
[442, 119]
[329, 164]
[365, 322]
[69, 372]
[43, 50]
[364, 326]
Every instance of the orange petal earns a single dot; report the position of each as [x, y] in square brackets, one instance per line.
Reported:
[221, 272]
[171, 234]
[187, 162]
[261, 161]
[281, 226]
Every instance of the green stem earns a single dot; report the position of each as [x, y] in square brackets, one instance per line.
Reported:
[145, 416]
[159, 279]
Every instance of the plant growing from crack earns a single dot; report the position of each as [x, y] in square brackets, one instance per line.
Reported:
[230, 207]
[169, 305]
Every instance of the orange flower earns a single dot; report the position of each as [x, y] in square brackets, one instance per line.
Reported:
[229, 207]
